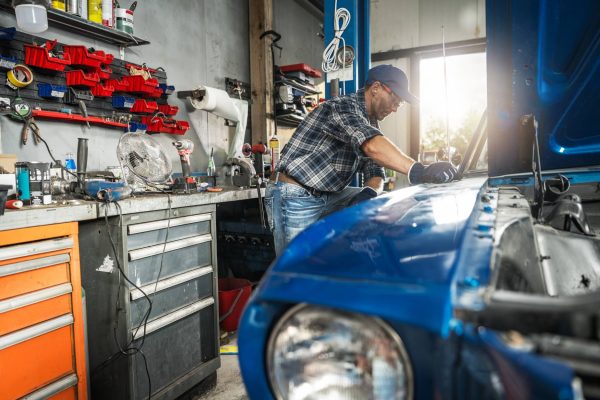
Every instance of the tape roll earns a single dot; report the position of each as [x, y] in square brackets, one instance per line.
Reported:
[19, 76]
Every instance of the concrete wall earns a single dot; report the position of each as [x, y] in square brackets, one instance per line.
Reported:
[197, 43]
[299, 28]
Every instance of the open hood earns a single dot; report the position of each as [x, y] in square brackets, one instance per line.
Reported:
[543, 59]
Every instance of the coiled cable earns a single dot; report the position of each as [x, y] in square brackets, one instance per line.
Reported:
[340, 23]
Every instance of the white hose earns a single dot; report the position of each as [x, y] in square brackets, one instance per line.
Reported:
[340, 23]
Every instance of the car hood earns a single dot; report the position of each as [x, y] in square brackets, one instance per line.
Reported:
[397, 248]
[543, 59]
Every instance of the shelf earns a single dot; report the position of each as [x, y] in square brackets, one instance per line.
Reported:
[76, 24]
[297, 85]
[289, 119]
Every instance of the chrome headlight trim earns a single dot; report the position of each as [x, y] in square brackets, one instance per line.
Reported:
[405, 359]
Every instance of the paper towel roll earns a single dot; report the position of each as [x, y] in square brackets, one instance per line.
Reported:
[218, 102]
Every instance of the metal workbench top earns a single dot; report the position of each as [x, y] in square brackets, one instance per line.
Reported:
[88, 210]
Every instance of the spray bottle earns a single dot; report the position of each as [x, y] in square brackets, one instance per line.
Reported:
[274, 146]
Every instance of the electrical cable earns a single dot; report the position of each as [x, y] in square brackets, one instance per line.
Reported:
[46, 145]
[340, 23]
[162, 256]
[127, 350]
[275, 38]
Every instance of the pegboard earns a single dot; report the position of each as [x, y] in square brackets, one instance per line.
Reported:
[99, 106]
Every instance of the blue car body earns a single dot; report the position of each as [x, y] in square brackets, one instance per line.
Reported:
[446, 266]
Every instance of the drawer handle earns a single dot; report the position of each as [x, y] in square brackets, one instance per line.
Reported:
[34, 297]
[53, 388]
[160, 248]
[34, 331]
[173, 317]
[30, 265]
[162, 224]
[163, 284]
[29, 249]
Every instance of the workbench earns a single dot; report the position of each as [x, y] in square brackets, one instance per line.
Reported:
[166, 245]
[90, 210]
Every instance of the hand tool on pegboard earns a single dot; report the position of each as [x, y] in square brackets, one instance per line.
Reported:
[23, 112]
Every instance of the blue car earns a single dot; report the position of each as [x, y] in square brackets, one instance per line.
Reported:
[483, 288]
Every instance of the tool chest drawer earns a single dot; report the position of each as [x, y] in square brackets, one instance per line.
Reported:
[20, 277]
[22, 311]
[171, 294]
[36, 356]
[184, 345]
[180, 256]
[155, 232]
[42, 353]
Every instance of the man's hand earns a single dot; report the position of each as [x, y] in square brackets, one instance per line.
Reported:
[365, 194]
[439, 172]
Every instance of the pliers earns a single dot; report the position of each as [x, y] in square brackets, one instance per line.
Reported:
[29, 123]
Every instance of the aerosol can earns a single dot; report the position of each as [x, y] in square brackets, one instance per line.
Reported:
[274, 146]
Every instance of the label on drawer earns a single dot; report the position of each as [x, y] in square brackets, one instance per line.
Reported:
[108, 265]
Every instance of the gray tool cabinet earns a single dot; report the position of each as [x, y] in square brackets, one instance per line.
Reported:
[181, 335]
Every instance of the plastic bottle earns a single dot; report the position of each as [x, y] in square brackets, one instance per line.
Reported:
[70, 166]
[107, 13]
[95, 11]
[22, 174]
[274, 146]
[59, 5]
[211, 169]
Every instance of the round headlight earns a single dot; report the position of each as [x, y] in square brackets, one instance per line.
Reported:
[321, 353]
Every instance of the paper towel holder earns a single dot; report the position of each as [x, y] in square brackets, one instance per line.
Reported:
[197, 94]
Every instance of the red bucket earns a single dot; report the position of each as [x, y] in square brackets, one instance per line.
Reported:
[233, 296]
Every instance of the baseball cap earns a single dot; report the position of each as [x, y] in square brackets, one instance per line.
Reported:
[394, 78]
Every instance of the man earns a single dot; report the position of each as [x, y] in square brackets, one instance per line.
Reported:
[337, 139]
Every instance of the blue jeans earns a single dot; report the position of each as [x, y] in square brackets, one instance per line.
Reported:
[291, 208]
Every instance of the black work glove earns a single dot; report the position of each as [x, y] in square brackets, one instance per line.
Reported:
[439, 172]
[365, 194]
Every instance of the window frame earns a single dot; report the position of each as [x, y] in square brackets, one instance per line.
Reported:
[414, 56]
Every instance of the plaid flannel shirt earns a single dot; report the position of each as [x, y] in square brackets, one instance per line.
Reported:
[325, 152]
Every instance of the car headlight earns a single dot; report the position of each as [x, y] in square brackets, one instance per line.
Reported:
[320, 353]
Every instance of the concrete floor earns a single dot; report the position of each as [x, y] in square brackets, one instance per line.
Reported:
[229, 380]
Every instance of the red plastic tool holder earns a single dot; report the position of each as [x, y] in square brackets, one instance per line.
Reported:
[118, 85]
[156, 93]
[143, 106]
[78, 78]
[137, 84]
[307, 69]
[37, 56]
[103, 73]
[168, 109]
[163, 125]
[102, 90]
[81, 56]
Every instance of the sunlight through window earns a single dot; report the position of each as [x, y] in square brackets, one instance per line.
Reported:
[466, 80]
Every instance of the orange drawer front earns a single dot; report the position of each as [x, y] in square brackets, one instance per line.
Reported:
[26, 282]
[34, 363]
[23, 317]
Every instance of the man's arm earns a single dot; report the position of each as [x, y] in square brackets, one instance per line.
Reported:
[376, 182]
[387, 154]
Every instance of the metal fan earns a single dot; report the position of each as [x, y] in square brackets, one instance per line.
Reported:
[143, 159]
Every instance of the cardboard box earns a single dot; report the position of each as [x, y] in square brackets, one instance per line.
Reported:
[7, 161]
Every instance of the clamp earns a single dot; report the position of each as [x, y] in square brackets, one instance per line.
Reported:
[19, 76]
